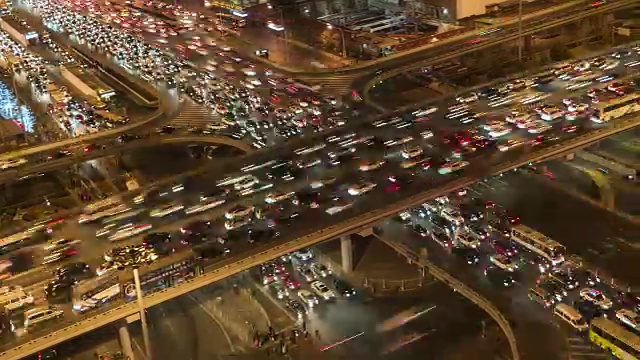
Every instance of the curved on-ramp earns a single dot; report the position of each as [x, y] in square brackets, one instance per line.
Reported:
[509, 36]
[20, 172]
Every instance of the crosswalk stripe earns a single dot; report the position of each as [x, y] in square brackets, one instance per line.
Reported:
[337, 84]
[195, 115]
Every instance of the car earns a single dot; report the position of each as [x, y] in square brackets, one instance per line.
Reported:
[320, 270]
[361, 188]
[41, 314]
[204, 205]
[166, 209]
[412, 152]
[510, 144]
[470, 255]
[420, 230]
[60, 243]
[303, 255]
[60, 254]
[73, 271]
[629, 318]
[597, 297]
[129, 230]
[297, 308]
[306, 273]
[344, 289]
[467, 98]
[308, 298]
[275, 197]
[290, 282]
[499, 276]
[239, 212]
[371, 165]
[479, 231]
[503, 262]
[588, 310]
[281, 291]
[322, 290]
[567, 279]
[468, 240]
[12, 163]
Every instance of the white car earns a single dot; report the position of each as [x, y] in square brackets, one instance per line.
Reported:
[499, 131]
[239, 211]
[468, 240]
[303, 255]
[426, 134]
[166, 209]
[321, 270]
[595, 296]
[236, 223]
[361, 188]
[510, 144]
[582, 107]
[503, 262]
[12, 163]
[322, 290]
[308, 298]
[629, 318]
[409, 153]
[255, 81]
[371, 165]
[245, 183]
[128, 231]
[275, 197]
[467, 98]
[249, 71]
[204, 206]
[452, 166]
[338, 208]
[61, 243]
[539, 127]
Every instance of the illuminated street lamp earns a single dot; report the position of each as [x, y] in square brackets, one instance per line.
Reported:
[343, 42]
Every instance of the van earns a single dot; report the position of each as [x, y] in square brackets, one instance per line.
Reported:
[541, 296]
[15, 300]
[40, 315]
[453, 216]
[571, 316]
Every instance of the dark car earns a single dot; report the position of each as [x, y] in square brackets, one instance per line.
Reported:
[59, 290]
[160, 243]
[297, 308]
[343, 288]
[588, 310]
[76, 271]
[420, 230]
[196, 227]
[261, 235]
[499, 277]
[209, 252]
[470, 255]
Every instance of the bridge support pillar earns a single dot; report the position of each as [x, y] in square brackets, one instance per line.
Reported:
[347, 253]
[125, 341]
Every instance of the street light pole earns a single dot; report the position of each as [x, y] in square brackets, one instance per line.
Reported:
[342, 39]
[520, 44]
[143, 314]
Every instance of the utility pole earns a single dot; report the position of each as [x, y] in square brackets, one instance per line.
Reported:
[520, 44]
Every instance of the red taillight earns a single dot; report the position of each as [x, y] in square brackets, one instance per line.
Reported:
[86, 149]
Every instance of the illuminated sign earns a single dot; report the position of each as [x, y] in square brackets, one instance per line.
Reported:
[225, 5]
[239, 13]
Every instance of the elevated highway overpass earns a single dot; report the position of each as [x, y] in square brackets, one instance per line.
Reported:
[304, 234]
[12, 175]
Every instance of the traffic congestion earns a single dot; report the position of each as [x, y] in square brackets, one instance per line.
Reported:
[501, 252]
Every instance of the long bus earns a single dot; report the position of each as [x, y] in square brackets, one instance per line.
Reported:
[120, 285]
[538, 243]
[617, 107]
[100, 209]
[614, 339]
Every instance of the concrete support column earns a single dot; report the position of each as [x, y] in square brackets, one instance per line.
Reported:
[125, 341]
[347, 253]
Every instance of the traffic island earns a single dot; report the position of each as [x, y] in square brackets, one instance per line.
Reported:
[376, 267]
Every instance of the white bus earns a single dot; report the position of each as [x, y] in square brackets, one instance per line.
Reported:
[615, 108]
[538, 243]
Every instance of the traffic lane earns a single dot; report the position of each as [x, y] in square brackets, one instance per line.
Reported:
[602, 238]
[527, 319]
[351, 177]
[628, 201]
[572, 177]
[432, 323]
[175, 331]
